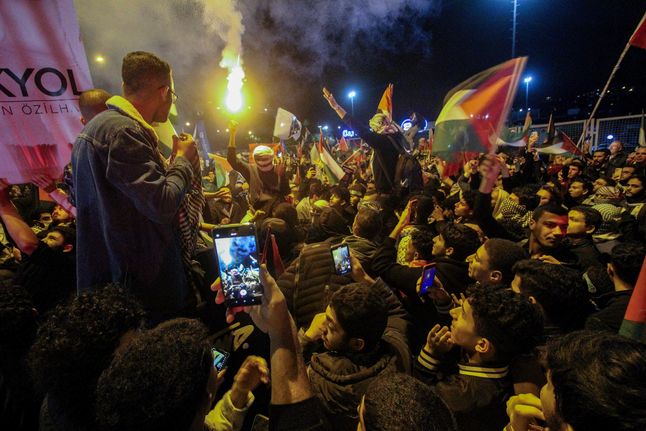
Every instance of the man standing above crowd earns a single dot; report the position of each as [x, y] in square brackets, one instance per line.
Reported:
[268, 184]
[127, 199]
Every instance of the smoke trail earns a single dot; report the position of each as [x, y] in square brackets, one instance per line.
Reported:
[226, 20]
[288, 44]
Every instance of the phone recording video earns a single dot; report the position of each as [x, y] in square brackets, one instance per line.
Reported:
[341, 257]
[428, 278]
[236, 248]
[220, 358]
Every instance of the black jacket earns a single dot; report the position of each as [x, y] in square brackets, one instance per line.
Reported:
[453, 275]
[585, 251]
[385, 155]
[613, 307]
[305, 281]
[340, 381]
[476, 394]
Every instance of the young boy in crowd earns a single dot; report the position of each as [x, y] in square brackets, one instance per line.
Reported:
[468, 362]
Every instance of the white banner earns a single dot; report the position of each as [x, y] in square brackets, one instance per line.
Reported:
[43, 70]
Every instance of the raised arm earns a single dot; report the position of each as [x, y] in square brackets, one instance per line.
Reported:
[373, 139]
[60, 197]
[19, 231]
[232, 158]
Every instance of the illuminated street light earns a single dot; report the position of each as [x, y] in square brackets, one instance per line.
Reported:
[188, 124]
[99, 59]
[527, 80]
[352, 95]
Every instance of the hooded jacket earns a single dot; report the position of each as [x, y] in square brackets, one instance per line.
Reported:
[340, 381]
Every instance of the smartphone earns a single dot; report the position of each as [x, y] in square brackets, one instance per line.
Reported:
[220, 358]
[236, 250]
[341, 258]
[428, 278]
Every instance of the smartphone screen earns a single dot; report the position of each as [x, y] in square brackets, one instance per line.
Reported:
[428, 277]
[236, 248]
[220, 358]
[341, 257]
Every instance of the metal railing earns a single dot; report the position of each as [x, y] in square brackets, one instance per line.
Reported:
[601, 131]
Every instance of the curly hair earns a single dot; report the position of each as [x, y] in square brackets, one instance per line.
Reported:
[422, 240]
[599, 381]
[17, 319]
[510, 322]
[464, 240]
[401, 402]
[560, 291]
[361, 312]
[158, 381]
[77, 342]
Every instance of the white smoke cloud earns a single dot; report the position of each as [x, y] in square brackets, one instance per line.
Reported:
[286, 45]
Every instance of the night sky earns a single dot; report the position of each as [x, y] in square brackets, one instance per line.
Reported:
[572, 46]
[292, 48]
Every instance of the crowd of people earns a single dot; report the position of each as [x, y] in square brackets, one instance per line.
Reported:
[111, 298]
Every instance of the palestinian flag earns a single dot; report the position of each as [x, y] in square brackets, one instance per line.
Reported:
[638, 38]
[325, 163]
[386, 102]
[634, 325]
[511, 139]
[561, 144]
[474, 113]
[557, 142]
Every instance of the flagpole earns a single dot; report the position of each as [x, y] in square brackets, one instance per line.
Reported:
[603, 93]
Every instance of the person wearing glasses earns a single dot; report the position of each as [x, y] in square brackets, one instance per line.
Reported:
[129, 198]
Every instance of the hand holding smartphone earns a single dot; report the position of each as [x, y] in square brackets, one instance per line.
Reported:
[341, 258]
[220, 358]
[236, 248]
[428, 278]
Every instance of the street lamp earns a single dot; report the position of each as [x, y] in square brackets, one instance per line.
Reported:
[351, 96]
[513, 29]
[527, 81]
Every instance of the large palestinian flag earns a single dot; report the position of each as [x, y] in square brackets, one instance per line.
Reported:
[474, 113]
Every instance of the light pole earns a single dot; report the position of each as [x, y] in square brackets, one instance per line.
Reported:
[513, 30]
[527, 81]
[351, 96]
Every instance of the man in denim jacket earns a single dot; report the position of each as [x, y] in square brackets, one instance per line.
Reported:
[128, 196]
